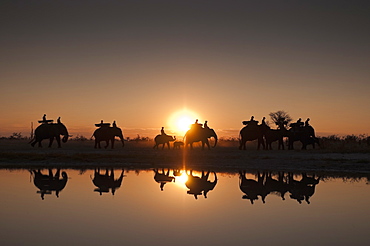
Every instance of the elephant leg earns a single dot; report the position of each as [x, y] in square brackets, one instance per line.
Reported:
[155, 146]
[112, 142]
[40, 144]
[106, 144]
[243, 145]
[51, 140]
[58, 141]
[168, 145]
[207, 143]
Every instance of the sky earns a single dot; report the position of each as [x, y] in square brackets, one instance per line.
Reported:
[140, 62]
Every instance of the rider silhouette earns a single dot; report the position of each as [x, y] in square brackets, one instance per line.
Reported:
[162, 131]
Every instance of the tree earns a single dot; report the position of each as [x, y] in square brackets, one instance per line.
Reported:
[280, 117]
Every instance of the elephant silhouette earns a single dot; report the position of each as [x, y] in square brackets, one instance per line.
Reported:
[107, 133]
[47, 183]
[303, 133]
[198, 185]
[50, 131]
[106, 182]
[277, 186]
[304, 189]
[197, 133]
[272, 135]
[163, 139]
[252, 131]
[162, 177]
[178, 144]
[253, 188]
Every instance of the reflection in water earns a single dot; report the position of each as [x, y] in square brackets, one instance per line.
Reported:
[266, 184]
[46, 183]
[303, 189]
[140, 214]
[162, 177]
[252, 188]
[277, 186]
[106, 182]
[197, 185]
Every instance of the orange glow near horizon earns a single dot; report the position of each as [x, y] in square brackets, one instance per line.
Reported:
[181, 120]
[181, 180]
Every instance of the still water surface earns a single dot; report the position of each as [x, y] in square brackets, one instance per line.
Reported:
[328, 211]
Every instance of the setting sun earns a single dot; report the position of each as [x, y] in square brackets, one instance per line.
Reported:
[181, 120]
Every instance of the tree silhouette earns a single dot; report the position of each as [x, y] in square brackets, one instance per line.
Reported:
[280, 117]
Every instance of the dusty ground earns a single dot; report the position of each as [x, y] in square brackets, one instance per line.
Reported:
[74, 154]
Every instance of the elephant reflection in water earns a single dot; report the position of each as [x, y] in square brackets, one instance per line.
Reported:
[162, 177]
[277, 186]
[106, 182]
[266, 184]
[253, 188]
[303, 189]
[47, 183]
[197, 185]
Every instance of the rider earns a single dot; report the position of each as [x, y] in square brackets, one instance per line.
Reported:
[162, 132]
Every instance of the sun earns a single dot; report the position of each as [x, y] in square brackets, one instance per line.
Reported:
[181, 120]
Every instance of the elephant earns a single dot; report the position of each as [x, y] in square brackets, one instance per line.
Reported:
[253, 132]
[106, 133]
[106, 182]
[196, 134]
[305, 134]
[48, 183]
[162, 177]
[197, 185]
[273, 135]
[50, 131]
[163, 139]
[178, 144]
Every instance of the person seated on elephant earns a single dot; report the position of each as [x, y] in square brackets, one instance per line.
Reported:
[306, 123]
[206, 125]
[297, 126]
[114, 124]
[162, 132]
[250, 122]
[102, 124]
[44, 120]
[263, 121]
[196, 125]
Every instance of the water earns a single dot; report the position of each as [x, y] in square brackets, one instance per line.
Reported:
[139, 213]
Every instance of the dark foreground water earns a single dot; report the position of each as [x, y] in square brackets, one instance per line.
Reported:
[81, 207]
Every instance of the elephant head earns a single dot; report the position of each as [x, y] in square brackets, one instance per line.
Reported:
[118, 133]
[62, 130]
[212, 133]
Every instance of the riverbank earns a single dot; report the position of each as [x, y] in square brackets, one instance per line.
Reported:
[74, 154]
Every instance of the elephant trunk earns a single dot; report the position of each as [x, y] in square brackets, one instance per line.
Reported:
[65, 138]
[215, 136]
[122, 140]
